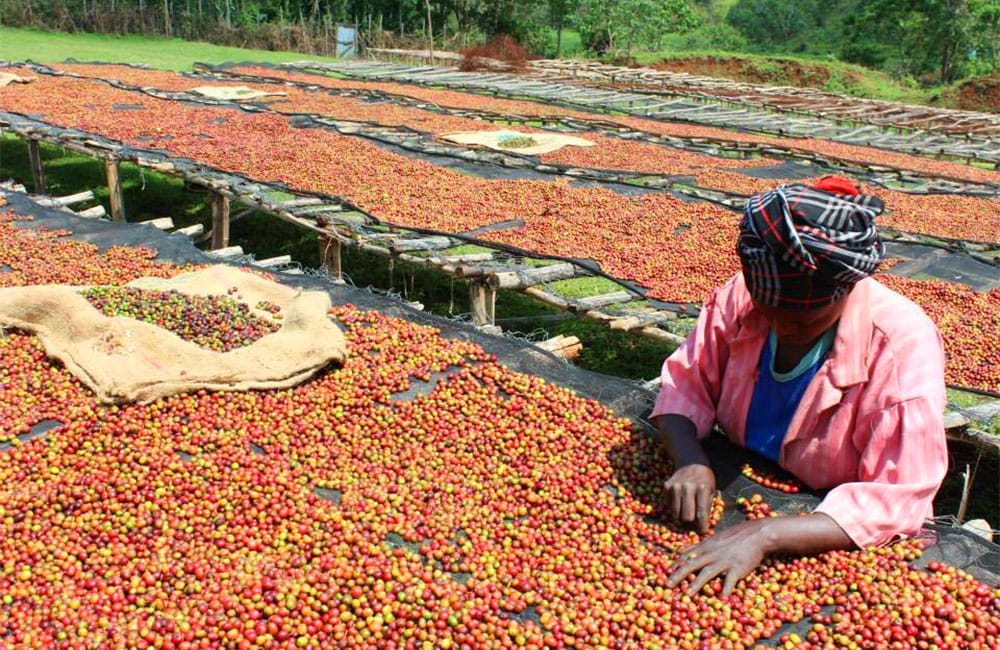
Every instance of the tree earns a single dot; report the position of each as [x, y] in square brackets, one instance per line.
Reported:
[774, 23]
[559, 11]
[931, 37]
[626, 24]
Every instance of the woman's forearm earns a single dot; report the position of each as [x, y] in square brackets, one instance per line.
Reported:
[805, 535]
[738, 550]
[679, 438]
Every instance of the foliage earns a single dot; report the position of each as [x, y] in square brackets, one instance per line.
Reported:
[720, 36]
[613, 25]
[770, 23]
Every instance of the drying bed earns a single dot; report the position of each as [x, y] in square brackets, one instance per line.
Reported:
[936, 214]
[427, 494]
[691, 239]
[828, 105]
[859, 155]
[979, 149]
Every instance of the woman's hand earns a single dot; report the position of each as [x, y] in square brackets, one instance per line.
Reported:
[738, 550]
[690, 491]
[735, 552]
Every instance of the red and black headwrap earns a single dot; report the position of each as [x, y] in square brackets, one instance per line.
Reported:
[804, 247]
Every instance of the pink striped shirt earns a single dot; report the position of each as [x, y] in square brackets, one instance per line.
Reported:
[871, 423]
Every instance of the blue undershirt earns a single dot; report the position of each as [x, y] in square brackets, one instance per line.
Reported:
[777, 395]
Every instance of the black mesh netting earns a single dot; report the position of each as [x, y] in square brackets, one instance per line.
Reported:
[953, 545]
[922, 261]
[783, 171]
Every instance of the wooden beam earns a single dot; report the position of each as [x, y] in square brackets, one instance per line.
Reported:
[603, 300]
[421, 244]
[226, 251]
[567, 347]
[220, 221]
[96, 212]
[329, 255]
[37, 173]
[63, 201]
[191, 231]
[113, 168]
[163, 223]
[274, 261]
[301, 202]
[482, 299]
[535, 275]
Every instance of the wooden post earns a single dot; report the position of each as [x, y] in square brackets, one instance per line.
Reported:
[329, 255]
[37, 173]
[115, 189]
[220, 221]
[482, 299]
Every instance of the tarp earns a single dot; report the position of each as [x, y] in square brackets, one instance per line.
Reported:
[528, 144]
[233, 93]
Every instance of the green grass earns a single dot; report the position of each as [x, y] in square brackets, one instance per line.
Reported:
[570, 46]
[170, 54]
[584, 287]
[464, 249]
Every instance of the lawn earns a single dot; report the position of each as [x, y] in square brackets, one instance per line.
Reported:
[170, 54]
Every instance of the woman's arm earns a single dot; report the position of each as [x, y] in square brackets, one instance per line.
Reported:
[691, 487]
[738, 550]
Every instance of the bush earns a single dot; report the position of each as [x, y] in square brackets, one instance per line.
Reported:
[715, 37]
[864, 53]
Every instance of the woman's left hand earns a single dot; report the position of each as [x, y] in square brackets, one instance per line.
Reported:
[735, 552]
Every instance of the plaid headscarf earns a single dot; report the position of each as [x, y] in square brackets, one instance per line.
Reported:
[803, 247]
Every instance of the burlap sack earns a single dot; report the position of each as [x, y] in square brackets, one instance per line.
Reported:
[233, 93]
[545, 142]
[7, 78]
[126, 360]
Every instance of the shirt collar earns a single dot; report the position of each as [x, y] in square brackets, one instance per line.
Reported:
[849, 354]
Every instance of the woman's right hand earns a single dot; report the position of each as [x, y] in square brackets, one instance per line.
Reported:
[690, 491]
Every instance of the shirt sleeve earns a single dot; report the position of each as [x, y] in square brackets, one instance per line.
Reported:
[901, 469]
[691, 379]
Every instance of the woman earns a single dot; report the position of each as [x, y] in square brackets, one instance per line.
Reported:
[807, 360]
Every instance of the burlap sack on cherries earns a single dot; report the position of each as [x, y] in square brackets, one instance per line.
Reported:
[126, 360]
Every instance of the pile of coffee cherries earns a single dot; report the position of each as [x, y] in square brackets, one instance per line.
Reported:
[218, 323]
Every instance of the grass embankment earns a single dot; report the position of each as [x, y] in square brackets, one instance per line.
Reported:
[169, 54]
[832, 76]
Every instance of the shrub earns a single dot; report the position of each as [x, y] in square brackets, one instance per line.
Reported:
[715, 37]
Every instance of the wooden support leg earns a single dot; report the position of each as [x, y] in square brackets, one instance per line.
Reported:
[329, 255]
[220, 221]
[115, 190]
[483, 300]
[37, 173]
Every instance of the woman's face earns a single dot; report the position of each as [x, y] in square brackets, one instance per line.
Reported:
[801, 327]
